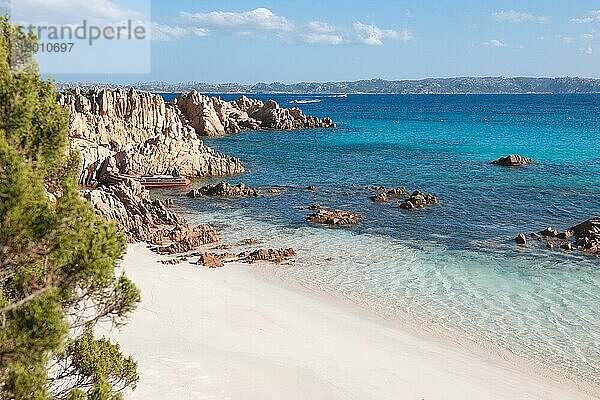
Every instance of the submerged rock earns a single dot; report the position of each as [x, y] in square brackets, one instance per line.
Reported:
[333, 217]
[549, 232]
[380, 198]
[399, 191]
[267, 255]
[567, 246]
[512, 160]
[216, 260]
[250, 242]
[315, 206]
[375, 188]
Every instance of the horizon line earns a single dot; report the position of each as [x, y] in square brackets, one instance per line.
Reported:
[329, 81]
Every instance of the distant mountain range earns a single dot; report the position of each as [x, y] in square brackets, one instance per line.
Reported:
[463, 85]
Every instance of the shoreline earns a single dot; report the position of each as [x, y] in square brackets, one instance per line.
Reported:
[414, 325]
[245, 332]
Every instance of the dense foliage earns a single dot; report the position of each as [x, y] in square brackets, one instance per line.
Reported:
[57, 258]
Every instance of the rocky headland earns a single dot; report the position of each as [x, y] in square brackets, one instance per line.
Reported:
[127, 131]
[138, 132]
[211, 116]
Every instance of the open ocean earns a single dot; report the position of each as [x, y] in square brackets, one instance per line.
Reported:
[454, 265]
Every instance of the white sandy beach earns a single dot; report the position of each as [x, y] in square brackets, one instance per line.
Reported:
[228, 333]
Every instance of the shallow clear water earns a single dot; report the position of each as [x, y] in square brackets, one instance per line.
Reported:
[455, 264]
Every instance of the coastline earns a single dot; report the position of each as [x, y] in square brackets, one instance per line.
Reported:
[237, 332]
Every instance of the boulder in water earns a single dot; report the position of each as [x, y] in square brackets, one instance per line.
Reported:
[418, 199]
[512, 160]
[521, 239]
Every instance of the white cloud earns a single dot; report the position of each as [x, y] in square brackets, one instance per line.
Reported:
[263, 20]
[71, 11]
[359, 33]
[516, 17]
[200, 32]
[587, 50]
[587, 37]
[166, 33]
[585, 20]
[321, 27]
[566, 39]
[259, 19]
[323, 38]
[372, 35]
[494, 43]
[594, 15]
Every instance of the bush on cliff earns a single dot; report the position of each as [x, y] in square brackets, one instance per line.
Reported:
[57, 258]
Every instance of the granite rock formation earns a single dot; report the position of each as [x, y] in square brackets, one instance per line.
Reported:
[276, 256]
[129, 206]
[224, 189]
[183, 237]
[399, 191]
[380, 198]
[521, 239]
[333, 217]
[211, 116]
[587, 235]
[130, 131]
[584, 237]
[210, 260]
[418, 200]
[216, 260]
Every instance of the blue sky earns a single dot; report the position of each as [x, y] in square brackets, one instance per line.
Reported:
[291, 41]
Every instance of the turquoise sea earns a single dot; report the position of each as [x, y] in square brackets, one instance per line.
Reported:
[453, 266]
